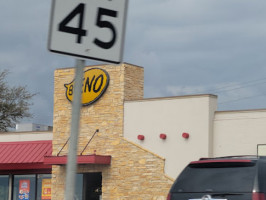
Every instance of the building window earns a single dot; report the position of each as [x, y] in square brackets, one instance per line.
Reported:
[38, 187]
[4, 187]
[88, 186]
[24, 187]
[44, 187]
[79, 187]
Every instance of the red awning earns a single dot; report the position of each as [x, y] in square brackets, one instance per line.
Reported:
[84, 159]
[37, 155]
[24, 155]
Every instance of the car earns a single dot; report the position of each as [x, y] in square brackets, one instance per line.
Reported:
[222, 178]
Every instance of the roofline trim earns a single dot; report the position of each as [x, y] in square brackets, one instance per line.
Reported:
[173, 98]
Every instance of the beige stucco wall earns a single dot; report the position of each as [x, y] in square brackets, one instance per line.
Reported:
[173, 116]
[239, 132]
[134, 173]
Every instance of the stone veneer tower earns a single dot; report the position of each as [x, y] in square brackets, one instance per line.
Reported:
[134, 173]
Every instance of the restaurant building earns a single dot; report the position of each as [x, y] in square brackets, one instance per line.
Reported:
[129, 147]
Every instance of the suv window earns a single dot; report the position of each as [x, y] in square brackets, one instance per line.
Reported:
[261, 177]
[217, 177]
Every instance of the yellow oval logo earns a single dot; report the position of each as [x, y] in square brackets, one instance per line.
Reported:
[95, 83]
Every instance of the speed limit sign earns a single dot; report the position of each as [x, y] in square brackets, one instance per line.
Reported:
[92, 29]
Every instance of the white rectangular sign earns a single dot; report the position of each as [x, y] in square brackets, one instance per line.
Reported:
[92, 29]
[261, 150]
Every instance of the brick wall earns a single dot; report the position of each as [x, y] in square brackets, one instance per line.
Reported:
[134, 173]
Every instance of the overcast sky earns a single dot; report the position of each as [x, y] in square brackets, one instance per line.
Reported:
[185, 46]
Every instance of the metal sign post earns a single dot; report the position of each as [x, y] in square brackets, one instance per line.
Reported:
[92, 29]
[72, 154]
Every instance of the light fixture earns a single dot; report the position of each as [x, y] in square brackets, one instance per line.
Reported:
[185, 135]
[163, 136]
[141, 137]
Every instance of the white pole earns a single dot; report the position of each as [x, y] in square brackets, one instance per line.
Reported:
[72, 152]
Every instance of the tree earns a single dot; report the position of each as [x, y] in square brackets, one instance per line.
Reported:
[14, 103]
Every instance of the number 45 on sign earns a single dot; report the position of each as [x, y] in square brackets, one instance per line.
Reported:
[92, 29]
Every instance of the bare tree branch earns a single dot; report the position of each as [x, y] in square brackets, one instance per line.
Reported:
[14, 103]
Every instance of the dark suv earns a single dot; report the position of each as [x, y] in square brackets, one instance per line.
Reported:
[224, 178]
